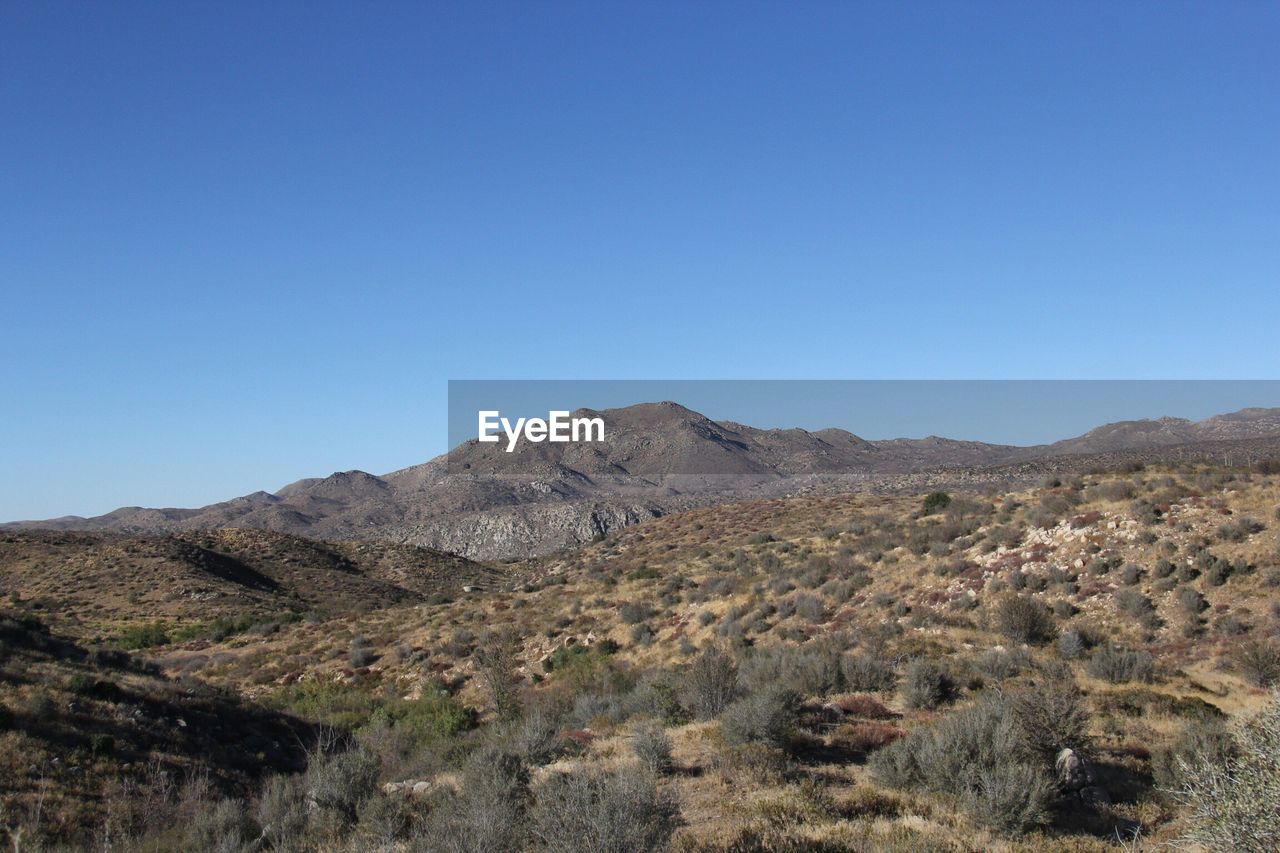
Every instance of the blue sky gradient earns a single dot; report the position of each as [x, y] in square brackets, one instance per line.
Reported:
[246, 243]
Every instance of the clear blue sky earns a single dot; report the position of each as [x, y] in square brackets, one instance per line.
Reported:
[246, 243]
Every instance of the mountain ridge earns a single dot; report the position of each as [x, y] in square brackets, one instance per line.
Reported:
[482, 502]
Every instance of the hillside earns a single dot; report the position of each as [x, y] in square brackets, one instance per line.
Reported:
[484, 503]
[91, 583]
[794, 655]
[95, 738]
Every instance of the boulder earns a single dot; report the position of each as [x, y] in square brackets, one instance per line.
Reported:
[1073, 770]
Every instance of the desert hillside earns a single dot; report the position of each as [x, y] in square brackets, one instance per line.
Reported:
[481, 502]
[1045, 668]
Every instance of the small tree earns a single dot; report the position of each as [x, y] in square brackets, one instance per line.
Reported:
[497, 659]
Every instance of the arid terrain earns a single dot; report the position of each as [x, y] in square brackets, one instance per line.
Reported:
[481, 502]
[1067, 665]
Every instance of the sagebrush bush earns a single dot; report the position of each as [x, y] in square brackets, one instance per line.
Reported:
[1120, 664]
[813, 669]
[282, 812]
[634, 612]
[711, 683]
[868, 673]
[652, 746]
[1011, 797]
[1200, 741]
[597, 812]
[1024, 620]
[751, 764]
[340, 783]
[219, 826]
[1049, 717]
[360, 654]
[926, 684]
[1233, 799]
[1071, 644]
[1191, 601]
[1000, 664]
[767, 716]
[534, 736]
[975, 754]
[1259, 661]
[488, 811]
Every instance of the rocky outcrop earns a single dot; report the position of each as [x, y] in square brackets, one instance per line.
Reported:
[528, 531]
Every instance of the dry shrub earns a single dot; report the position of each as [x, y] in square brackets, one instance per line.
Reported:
[1233, 799]
[1259, 661]
[868, 737]
[864, 707]
[598, 811]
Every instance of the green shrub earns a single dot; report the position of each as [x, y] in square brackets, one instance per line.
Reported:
[101, 744]
[433, 716]
[935, 502]
[328, 703]
[144, 636]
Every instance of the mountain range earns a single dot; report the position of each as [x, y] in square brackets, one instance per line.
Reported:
[479, 501]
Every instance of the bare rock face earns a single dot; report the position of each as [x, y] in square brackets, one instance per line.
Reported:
[528, 531]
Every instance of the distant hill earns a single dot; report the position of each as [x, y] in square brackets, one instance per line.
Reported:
[1167, 432]
[481, 501]
[101, 581]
